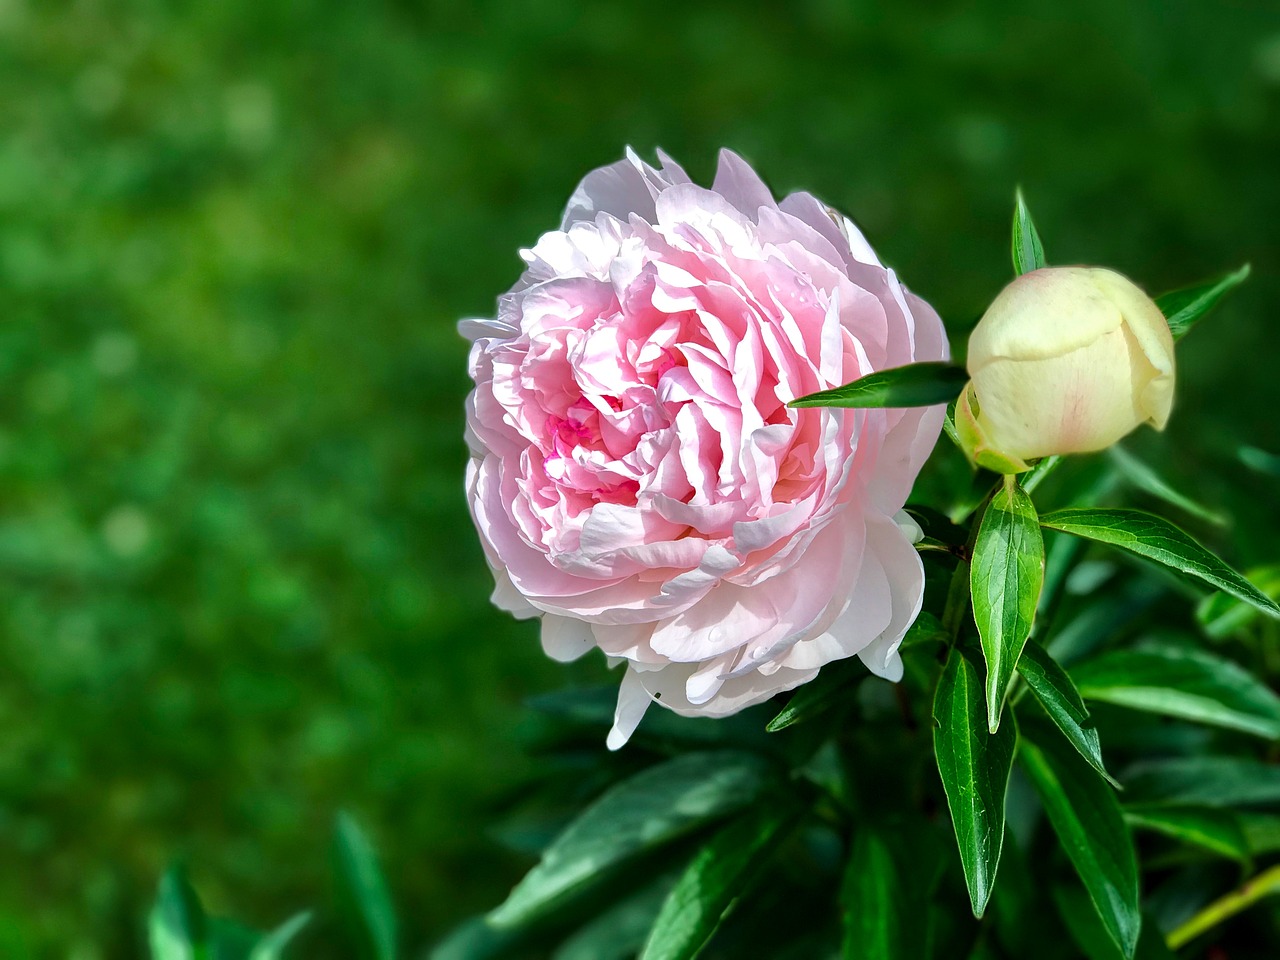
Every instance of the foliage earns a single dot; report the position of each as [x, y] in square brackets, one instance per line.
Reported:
[974, 652]
[240, 591]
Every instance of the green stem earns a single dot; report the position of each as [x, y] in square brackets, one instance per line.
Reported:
[958, 593]
[1264, 884]
[957, 602]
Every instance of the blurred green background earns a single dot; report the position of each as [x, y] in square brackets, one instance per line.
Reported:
[239, 589]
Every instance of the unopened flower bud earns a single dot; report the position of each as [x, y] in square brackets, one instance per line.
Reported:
[1065, 360]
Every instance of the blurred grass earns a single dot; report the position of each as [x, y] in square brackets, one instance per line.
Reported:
[238, 585]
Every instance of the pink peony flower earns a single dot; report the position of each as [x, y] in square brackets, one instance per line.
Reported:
[636, 477]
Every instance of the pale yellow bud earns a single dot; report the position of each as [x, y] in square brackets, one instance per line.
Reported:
[1065, 360]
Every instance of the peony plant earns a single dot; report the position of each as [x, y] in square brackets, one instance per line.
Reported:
[697, 421]
[890, 609]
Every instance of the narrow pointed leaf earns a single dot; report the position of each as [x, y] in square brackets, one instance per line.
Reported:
[1086, 929]
[1185, 683]
[475, 939]
[1084, 813]
[272, 946]
[1028, 251]
[1005, 581]
[1204, 781]
[913, 385]
[1224, 616]
[653, 807]
[974, 766]
[1255, 458]
[177, 926]
[1159, 540]
[1148, 481]
[619, 932]
[1217, 831]
[1261, 831]
[874, 901]
[362, 891]
[1182, 308]
[710, 886]
[827, 690]
[1062, 702]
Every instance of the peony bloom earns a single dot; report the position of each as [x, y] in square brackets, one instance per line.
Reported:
[636, 477]
[1065, 360]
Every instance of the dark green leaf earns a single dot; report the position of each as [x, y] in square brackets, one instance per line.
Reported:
[474, 939]
[1028, 252]
[1182, 308]
[913, 385]
[1223, 615]
[1106, 615]
[1180, 682]
[1086, 929]
[974, 766]
[710, 886]
[1005, 581]
[620, 931]
[1264, 462]
[272, 946]
[1062, 702]
[653, 807]
[1217, 831]
[1204, 781]
[362, 891]
[230, 940]
[1157, 539]
[1083, 924]
[177, 927]
[1261, 832]
[831, 687]
[1148, 481]
[1087, 818]
[873, 900]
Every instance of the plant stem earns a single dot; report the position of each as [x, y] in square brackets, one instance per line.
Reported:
[958, 593]
[1264, 884]
[957, 601]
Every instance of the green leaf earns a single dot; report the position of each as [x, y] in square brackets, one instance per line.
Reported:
[1157, 539]
[619, 932]
[1224, 616]
[974, 766]
[1085, 928]
[913, 385]
[1264, 462]
[651, 808]
[362, 891]
[177, 926]
[1204, 781]
[272, 946]
[1062, 702]
[1005, 581]
[1028, 251]
[229, 939]
[1148, 481]
[1086, 816]
[1217, 831]
[1182, 308]
[1184, 683]
[711, 885]
[1261, 832]
[474, 939]
[873, 901]
[831, 687]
